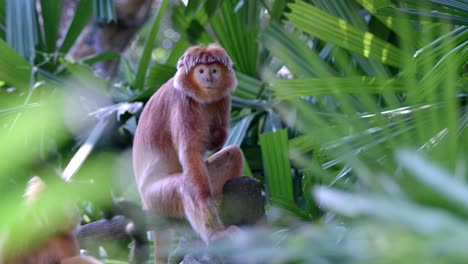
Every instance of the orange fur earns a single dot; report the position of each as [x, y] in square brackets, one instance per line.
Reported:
[60, 247]
[185, 118]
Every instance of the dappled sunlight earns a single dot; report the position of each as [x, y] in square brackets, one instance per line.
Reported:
[368, 45]
[399, 111]
[82, 154]
[432, 142]
[367, 41]
[343, 27]
[385, 54]
[389, 21]
[343, 34]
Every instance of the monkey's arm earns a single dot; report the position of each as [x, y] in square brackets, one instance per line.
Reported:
[190, 138]
[189, 130]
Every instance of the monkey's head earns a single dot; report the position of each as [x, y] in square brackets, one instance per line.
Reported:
[205, 73]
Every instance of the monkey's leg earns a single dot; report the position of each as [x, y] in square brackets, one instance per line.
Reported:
[223, 166]
[162, 243]
[167, 195]
[163, 196]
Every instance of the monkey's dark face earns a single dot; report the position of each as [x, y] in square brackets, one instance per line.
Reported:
[208, 75]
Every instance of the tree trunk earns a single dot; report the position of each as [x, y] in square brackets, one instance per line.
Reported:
[101, 37]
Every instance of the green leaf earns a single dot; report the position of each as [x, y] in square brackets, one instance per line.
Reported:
[149, 44]
[14, 69]
[288, 205]
[244, 103]
[13, 110]
[374, 5]
[277, 9]
[302, 144]
[299, 58]
[179, 48]
[272, 122]
[51, 11]
[2, 18]
[332, 29]
[85, 149]
[236, 137]
[211, 7]
[390, 211]
[158, 75]
[83, 13]
[104, 10]
[421, 15]
[20, 140]
[237, 132]
[286, 89]
[454, 11]
[85, 76]
[438, 180]
[191, 21]
[238, 33]
[452, 60]
[309, 181]
[436, 48]
[347, 10]
[21, 27]
[105, 56]
[274, 146]
[248, 87]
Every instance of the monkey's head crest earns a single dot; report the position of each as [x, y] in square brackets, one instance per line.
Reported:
[203, 55]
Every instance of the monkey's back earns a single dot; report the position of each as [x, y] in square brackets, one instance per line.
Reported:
[153, 149]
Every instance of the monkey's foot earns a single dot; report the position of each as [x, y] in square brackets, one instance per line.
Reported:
[225, 233]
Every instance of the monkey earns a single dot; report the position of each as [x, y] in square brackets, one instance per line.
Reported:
[187, 117]
[60, 246]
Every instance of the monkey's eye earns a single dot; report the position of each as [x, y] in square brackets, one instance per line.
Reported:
[214, 70]
[201, 71]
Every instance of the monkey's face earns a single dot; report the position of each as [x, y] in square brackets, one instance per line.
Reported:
[208, 76]
[204, 82]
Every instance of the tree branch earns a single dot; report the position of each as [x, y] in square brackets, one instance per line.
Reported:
[134, 222]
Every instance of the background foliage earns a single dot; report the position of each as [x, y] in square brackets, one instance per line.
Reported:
[352, 113]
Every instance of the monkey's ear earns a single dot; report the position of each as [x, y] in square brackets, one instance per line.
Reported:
[181, 63]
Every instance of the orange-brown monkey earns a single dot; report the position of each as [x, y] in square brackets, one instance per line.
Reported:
[60, 248]
[185, 118]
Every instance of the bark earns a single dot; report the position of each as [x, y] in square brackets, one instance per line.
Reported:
[100, 37]
[133, 222]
